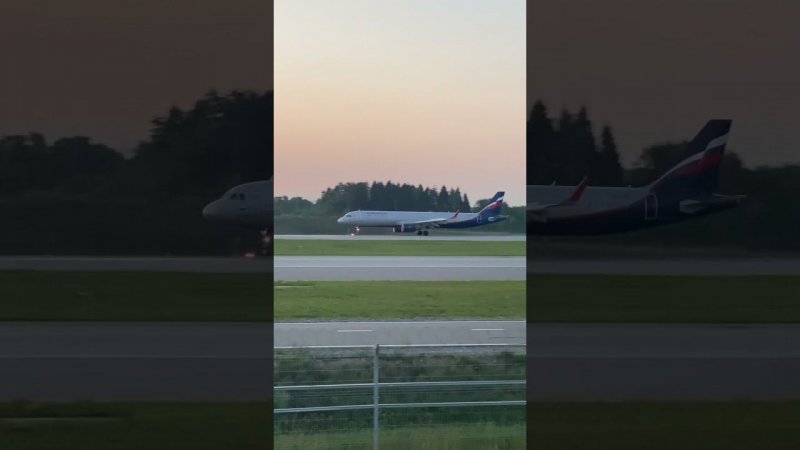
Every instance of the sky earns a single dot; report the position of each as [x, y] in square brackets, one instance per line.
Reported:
[427, 92]
[657, 70]
[104, 69]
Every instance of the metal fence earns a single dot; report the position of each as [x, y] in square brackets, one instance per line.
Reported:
[400, 396]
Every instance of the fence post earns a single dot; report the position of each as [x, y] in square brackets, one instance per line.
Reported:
[375, 397]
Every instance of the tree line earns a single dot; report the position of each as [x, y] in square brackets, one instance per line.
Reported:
[73, 195]
[564, 150]
[377, 195]
[222, 140]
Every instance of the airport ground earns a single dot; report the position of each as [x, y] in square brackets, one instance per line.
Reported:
[197, 426]
[586, 398]
[148, 296]
[411, 247]
[134, 426]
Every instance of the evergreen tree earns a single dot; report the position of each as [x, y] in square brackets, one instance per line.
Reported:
[443, 200]
[610, 169]
[541, 160]
[583, 152]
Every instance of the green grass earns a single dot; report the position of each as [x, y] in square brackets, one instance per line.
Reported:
[449, 437]
[399, 299]
[132, 296]
[151, 296]
[135, 426]
[412, 247]
[667, 426]
[600, 298]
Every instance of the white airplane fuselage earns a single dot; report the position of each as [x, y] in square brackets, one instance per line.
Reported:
[396, 218]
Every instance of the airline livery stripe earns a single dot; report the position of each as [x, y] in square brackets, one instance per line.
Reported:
[717, 142]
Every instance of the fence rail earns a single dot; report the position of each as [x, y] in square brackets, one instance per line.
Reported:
[391, 390]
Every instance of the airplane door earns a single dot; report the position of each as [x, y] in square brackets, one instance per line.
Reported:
[651, 207]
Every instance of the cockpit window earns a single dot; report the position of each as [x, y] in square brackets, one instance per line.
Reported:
[347, 215]
[236, 196]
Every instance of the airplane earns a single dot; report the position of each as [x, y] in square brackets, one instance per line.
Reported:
[686, 191]
[421, 222]
[248, 205]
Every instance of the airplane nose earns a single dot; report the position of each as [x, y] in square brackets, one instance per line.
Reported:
[209, 211]
[340, 220]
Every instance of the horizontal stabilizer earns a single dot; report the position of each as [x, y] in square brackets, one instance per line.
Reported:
[574, 198]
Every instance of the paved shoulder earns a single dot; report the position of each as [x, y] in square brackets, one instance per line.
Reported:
[419, 268]
[399, 333]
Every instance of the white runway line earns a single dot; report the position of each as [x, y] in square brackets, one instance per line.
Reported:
[487, 329]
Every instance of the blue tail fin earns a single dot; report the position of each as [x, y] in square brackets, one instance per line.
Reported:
[698, 171]
[494, 206]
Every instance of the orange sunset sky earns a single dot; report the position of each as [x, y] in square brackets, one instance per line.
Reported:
[427, 92]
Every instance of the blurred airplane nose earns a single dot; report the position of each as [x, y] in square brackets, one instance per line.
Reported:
[209, 211]
[340, 220]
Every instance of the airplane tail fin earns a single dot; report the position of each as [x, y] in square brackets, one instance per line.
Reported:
[698, 171]
[494, 206]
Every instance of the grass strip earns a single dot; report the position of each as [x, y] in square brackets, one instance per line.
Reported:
[348, 300]
[412, 247]
[134, 296]
[134, 426]
[663, 299]
[664, 425]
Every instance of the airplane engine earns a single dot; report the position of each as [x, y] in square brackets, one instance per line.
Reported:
[405, 228]
[398, 229]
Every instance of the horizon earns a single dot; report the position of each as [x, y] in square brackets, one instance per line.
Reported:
[437, 188]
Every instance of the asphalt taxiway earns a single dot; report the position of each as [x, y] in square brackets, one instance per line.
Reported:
[135, 362]
[402, 237]
[443, 332]
[671, 267]
[231, 362]
[416, 268]
[137, 263]
[408, 267]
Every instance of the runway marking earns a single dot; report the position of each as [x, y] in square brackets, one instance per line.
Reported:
[414, 322]
[352, 331]
[488, 329]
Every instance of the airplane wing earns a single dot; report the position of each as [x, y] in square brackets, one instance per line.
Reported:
[716, 201]
[540, 209]
[432, 223]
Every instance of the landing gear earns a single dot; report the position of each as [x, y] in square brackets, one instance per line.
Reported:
[355, 232]
[266, 241]
[419, 232]
[422, 232]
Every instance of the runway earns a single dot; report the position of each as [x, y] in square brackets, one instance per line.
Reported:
[138, 263]
[135, 362]
[663, 362]
[412, 268]
[399, 333]
[407, 268]
[231, 362]
[683, 267]
[403, 237]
